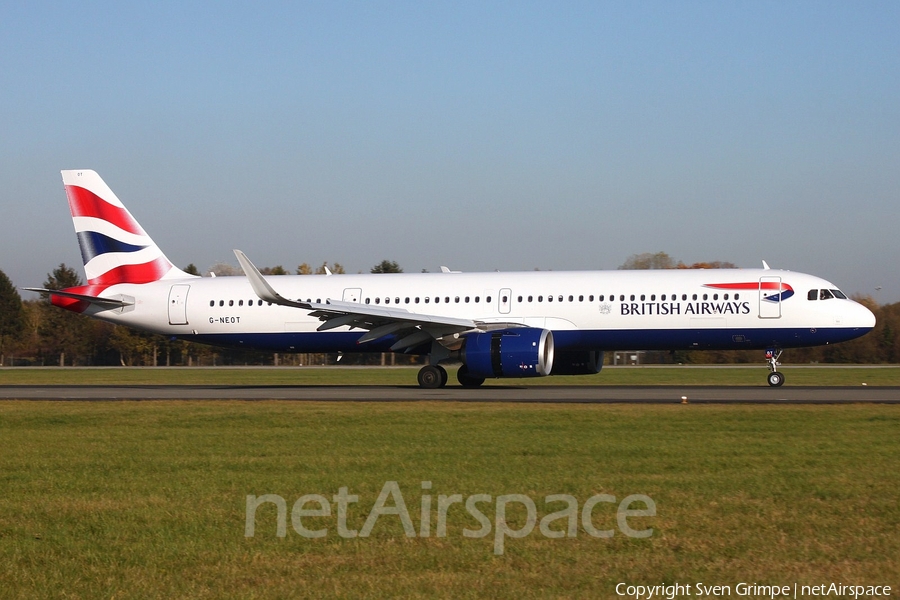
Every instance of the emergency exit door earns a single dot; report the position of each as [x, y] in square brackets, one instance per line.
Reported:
[352, 294]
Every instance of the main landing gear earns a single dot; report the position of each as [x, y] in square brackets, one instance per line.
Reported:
[775, 378]
[432, 377]
[435, 376]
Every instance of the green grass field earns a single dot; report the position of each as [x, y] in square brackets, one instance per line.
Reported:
[675, 375]
[148, 499]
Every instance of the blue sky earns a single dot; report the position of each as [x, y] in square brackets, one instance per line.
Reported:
[505, 136]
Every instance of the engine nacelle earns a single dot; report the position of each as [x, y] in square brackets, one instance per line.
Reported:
[519, 352]
[578, 362]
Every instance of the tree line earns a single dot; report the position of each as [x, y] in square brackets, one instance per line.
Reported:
[34, 332]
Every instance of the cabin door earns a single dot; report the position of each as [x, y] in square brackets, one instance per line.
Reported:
[770, 297]
[178, 304]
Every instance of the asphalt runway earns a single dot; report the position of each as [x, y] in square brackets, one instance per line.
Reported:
[539, 394]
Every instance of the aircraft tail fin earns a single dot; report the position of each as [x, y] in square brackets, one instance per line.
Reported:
[114, 247]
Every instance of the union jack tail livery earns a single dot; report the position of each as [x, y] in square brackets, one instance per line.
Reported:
[114, 246]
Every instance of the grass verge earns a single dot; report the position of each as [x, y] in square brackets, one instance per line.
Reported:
[148, 500]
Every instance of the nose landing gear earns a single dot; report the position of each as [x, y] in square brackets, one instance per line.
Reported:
[775, 378]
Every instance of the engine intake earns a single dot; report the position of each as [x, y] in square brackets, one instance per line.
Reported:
[520, 352]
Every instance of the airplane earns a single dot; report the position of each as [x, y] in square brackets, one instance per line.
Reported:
[498, 325]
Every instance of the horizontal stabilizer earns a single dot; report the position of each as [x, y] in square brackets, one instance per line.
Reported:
[104, 302]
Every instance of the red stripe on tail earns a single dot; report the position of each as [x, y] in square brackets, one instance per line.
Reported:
[84, 203]
[144, 273]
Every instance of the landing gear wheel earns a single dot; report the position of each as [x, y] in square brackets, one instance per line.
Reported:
[467, 380]
[775, 378]
[432, 377]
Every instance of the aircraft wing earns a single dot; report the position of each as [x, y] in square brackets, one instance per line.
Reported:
[413, 329]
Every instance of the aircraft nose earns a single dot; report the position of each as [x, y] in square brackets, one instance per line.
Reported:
[863, 317]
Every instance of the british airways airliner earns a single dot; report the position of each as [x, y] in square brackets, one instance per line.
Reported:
[516, 325]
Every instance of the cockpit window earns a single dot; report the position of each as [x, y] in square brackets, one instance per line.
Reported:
[825, 295]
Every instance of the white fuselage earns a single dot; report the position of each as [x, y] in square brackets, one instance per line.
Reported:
[585, 310]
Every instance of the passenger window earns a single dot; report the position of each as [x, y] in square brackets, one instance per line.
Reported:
[520, 298]
[396, 300]
[427, 300]
[540, 298]
[417, 299]
[488, 299]
[447, 299]
[581, 298]
[715, 296]
[377, 300]
[240, 302]
[549, 298]
[477, 299]
[212, 302]
[531, 298]
[406, 300]
[571, 298]
[457, 299]
[231, 303]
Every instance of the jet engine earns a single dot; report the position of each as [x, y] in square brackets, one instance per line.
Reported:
[518, 352]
